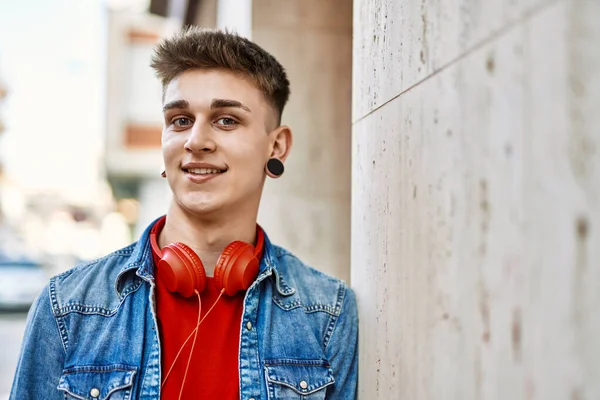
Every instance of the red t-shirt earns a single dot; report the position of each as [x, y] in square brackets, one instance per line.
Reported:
[213, 372]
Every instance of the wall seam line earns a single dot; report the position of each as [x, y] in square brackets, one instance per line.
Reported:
[528, 15]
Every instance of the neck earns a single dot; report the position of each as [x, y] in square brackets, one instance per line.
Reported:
[207, 236]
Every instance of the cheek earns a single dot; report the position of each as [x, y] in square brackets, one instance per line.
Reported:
[249, 150]
[170, 148]
[249, 160]
[248, 169]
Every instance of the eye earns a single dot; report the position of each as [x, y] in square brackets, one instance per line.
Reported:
[182, 122]
[226, 121]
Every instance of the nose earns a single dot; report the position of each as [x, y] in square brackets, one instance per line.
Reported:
[200, 140]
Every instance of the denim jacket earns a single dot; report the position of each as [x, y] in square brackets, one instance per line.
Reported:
[92, 333]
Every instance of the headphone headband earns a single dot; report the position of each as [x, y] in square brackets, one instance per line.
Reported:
[233, 272]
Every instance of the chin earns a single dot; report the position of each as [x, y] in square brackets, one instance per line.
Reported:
[199, 205]
[202, 210]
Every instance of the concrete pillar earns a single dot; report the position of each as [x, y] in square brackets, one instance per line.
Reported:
[206, 13]
[475, 203]
[308, 209]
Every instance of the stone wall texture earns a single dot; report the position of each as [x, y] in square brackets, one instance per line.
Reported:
[476, 198]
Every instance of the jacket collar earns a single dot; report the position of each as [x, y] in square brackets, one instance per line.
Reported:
[141, 265]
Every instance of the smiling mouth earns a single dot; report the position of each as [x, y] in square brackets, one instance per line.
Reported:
[204, 171]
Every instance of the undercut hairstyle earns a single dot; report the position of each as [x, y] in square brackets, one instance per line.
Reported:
[202, 48]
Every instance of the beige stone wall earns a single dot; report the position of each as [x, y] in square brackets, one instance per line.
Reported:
[475, 198]
[308, 209]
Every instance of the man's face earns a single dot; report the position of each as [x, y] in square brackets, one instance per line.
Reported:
[216, 141]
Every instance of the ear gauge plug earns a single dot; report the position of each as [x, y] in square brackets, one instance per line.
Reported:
[274, 168]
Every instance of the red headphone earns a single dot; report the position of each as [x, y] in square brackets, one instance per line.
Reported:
[182, 271]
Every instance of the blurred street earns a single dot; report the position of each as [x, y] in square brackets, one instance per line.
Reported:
[12, 326]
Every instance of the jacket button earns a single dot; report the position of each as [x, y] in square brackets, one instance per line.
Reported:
[303, 384]
[94, 393]
[249, 325]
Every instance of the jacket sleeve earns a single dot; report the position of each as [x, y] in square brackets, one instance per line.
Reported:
[42, 355]
[342, 351]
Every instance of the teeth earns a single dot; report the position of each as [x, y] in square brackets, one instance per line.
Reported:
[203, 171]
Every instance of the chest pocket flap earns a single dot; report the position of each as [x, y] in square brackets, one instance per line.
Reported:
[103, 382]
[298, 378]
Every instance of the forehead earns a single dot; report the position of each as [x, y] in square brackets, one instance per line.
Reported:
[200, 86]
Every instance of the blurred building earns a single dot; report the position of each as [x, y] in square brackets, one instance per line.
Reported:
[3, 227]
[133, 158]
[3, 93]
[9, 238]
[2, 96]
[53, 195]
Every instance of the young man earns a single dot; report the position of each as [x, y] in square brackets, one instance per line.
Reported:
[203, 306]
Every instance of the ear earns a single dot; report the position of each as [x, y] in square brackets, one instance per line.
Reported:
[281, 142]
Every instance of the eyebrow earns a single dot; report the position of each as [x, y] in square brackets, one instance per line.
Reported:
[225, 103]
[216, 103]
[182, 104]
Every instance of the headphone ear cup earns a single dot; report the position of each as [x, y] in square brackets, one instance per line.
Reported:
[181, 270]
[236, 268]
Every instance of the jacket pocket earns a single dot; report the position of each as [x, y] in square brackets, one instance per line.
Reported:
[95, 382]
[298, 379]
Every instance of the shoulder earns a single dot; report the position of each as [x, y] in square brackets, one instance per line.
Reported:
[92, 287]
[310, 287]
[293, 268]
